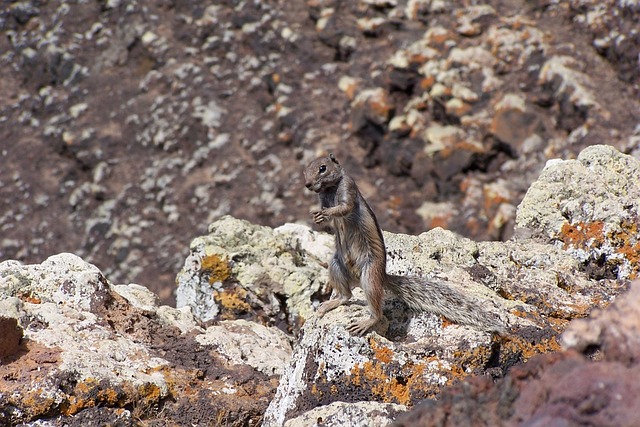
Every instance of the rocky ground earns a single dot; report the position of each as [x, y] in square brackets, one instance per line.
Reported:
[128, 126]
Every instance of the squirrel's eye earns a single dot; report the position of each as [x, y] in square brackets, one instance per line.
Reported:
[323, 169]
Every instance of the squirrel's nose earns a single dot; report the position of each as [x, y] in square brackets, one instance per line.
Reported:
[308, 184]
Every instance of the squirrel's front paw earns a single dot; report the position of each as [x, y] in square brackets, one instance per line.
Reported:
[319, 216]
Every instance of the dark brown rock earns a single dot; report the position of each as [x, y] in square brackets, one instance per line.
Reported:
[10, 337]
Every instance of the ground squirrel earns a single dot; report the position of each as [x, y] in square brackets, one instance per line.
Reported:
[361, 257]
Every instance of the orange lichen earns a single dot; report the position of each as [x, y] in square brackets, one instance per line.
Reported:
[588, 235]
[85, 394]
[149, 393]
[92, 393]
[582, 234]
[389, 388]
[468, 360]
[232, 301]
[628, 242]
[34, 404]
[527, 349]
[216, 267]
[381, 353]
[30, 298]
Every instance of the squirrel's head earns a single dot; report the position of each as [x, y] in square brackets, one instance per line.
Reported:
[322, 173]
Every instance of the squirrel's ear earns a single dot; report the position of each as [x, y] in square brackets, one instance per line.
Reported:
[333, 159]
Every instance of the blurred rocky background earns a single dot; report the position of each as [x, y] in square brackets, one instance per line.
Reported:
[126, 127]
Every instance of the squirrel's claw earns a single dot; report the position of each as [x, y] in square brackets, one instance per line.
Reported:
[361, 328]
[318, 216]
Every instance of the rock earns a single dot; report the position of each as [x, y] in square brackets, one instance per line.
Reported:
[513, 123]
[348, 85]
[551, 287]
[248, 343]
[101, 353]
[241, 269]
[338, 414]
[571, 87]
[613, 332]
[565, 388]
[381, 3]
[69, 280]
[372, 105]
[415, 9]
[443, 137]
[371, 26]
[598, 227]
[471, 21]
[415, 356]
[10, 337]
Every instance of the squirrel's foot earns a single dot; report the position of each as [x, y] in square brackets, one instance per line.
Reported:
[330, 305]
[361, 328]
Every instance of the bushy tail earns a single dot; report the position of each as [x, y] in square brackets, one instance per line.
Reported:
[439, 298]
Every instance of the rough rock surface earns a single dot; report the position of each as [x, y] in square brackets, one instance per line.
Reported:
[128, 126]
[600, 227]
[534, 286]
[593, 381]
[244, 270]
[93, 353]
[339, 414]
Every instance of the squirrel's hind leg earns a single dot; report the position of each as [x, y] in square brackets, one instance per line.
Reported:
[340, 282]
[372, 282]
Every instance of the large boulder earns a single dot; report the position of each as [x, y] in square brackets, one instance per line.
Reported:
[76, 348]
[593, 381]
[589, 207]
[535, 288]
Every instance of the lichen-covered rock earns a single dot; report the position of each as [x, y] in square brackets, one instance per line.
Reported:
[592, 382]
[535, 288]
[339, 414]
[248, 343]
[108, 354]
[589, 206]
[242, 269]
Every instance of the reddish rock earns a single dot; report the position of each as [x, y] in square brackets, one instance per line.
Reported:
[10, 337]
